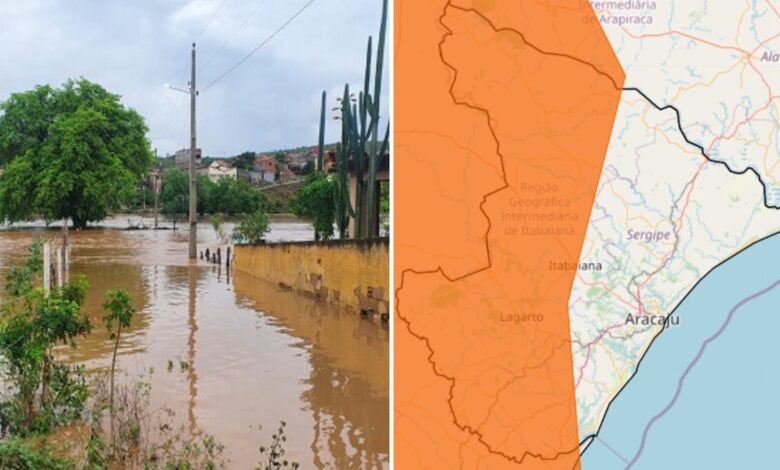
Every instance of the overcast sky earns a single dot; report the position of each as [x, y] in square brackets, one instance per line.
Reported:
[133, 48]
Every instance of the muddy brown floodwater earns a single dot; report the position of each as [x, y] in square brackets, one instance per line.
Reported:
[257, 354]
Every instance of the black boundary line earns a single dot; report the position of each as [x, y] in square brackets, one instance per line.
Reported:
[592, 437]
[701, 149]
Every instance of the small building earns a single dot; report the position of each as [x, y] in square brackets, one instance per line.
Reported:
[264, 170]
[182, 159]
[298, 162]
[221, 169]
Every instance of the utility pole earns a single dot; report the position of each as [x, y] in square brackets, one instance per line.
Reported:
[193, 152]
[156, 200]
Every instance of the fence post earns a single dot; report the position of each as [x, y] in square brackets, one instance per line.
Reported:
[46, 268]
[59, 265]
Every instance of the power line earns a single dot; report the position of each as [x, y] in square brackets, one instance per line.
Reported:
[216, 12]
[177, 112]
[265, 41]
[235, 32]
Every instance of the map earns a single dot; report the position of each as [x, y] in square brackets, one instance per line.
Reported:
[570, 175]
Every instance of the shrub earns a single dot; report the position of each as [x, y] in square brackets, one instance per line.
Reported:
[18, 455]
[316, 202]
[252, 227]
[41, 393]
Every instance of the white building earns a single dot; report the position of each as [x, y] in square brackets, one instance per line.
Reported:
[221, 169]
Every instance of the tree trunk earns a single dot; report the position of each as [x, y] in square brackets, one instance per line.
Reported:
[113, 368]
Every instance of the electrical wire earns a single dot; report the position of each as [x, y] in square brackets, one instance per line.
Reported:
[260, 46]
[235, 32]
[208, 23]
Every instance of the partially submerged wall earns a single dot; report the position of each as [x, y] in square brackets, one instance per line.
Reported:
[347, 272]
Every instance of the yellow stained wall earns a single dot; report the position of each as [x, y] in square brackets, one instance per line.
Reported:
[351, 272]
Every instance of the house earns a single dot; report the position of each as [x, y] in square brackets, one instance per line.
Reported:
[182, 159]
[221, 169]
[264, 170]
[297, 162]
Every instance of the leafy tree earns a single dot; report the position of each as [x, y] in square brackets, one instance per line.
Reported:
[235, 196]
[227, 196]
[252, 227]
[204, 189]
[41, 392]
[72, 153]
[316, 202]
[245, 161]
[119, 313]
[174, 197]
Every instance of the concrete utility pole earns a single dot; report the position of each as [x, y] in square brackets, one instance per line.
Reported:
[193, 152]
[156, 189]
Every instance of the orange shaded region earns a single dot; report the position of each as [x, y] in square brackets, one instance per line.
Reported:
[502, 122]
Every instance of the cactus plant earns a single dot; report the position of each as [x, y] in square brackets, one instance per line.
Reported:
[320, 154]
[375, 157]
[360, 144]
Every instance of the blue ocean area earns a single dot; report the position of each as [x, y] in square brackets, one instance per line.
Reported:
[711, 407]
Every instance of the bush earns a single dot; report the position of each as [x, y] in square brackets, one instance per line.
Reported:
[41, 393]
[316, 202]
[252, 228]
[18, 455]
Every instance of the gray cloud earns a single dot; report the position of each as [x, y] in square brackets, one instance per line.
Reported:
[134, 47]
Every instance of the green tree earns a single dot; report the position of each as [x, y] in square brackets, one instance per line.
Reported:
[227, 196]
[204, 189]
[245, 161]
[72, 153]
[316, 201]
[119, 313]
[174, 197]
[252, 227]
[235, 196]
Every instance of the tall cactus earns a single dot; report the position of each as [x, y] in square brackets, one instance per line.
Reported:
[375, 155]
[344, 209]
[360, 144]
[321, 153]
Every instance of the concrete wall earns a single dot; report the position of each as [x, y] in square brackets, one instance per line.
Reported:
[350, 272]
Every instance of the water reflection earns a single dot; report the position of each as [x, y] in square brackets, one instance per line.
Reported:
[245, 354]
[348, 384]
[192, 377]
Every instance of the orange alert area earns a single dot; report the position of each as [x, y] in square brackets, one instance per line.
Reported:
[503, 113]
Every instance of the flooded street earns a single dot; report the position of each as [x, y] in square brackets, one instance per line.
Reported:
[245, 353]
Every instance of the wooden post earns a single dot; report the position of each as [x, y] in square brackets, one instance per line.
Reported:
[59, 266]
[46, 268]
[66, 261]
